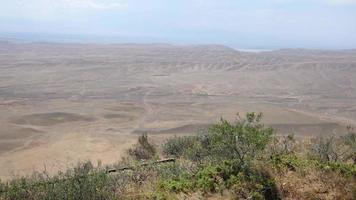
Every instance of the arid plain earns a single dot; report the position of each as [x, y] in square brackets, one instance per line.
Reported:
[65, 103]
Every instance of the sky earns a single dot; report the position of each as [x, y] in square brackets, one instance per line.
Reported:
[251, 24]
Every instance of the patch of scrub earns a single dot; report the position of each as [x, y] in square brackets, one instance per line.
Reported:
[310, 129]
[188, 128]
[10, 133]
[118, 116]
[6, 146]
[128, 108]
[50, 119]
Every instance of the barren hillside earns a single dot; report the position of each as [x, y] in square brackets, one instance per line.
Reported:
[60, 103]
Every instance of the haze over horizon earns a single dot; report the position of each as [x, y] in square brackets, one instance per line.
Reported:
[177, 99]
[266, 24]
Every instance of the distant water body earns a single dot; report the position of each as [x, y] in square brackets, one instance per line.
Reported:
[254, 50]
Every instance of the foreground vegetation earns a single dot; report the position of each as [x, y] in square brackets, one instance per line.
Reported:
[231, 160]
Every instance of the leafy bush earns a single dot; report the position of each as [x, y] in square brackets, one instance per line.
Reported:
[290, 161]
[223, 153]
[243, 139]
[324, 148]
[226, 175]
[348, 170]
[177, 146]
[143, 150]
[349, 141]
[334, 149]
[282, 145]
[82, 182]
[294, 162]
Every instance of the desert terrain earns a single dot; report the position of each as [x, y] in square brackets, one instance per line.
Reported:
[65, 103]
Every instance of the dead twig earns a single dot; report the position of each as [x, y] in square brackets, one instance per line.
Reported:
[168, 160]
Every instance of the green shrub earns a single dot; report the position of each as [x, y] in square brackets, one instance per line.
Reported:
[349, 140]
[333, 148]
[176, 146]
[243, 139]
[291, 162]
[80, 183]
[282, 145]
[177, 185]
[342, 168]
[226, 175]
[294, 162]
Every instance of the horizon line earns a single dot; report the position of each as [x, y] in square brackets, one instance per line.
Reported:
[87, 39]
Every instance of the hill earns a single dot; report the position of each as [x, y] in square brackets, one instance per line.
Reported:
[81, 97]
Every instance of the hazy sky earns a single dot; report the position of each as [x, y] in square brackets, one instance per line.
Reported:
[238, 23]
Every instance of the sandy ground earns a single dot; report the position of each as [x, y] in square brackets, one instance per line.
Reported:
[63, 103]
